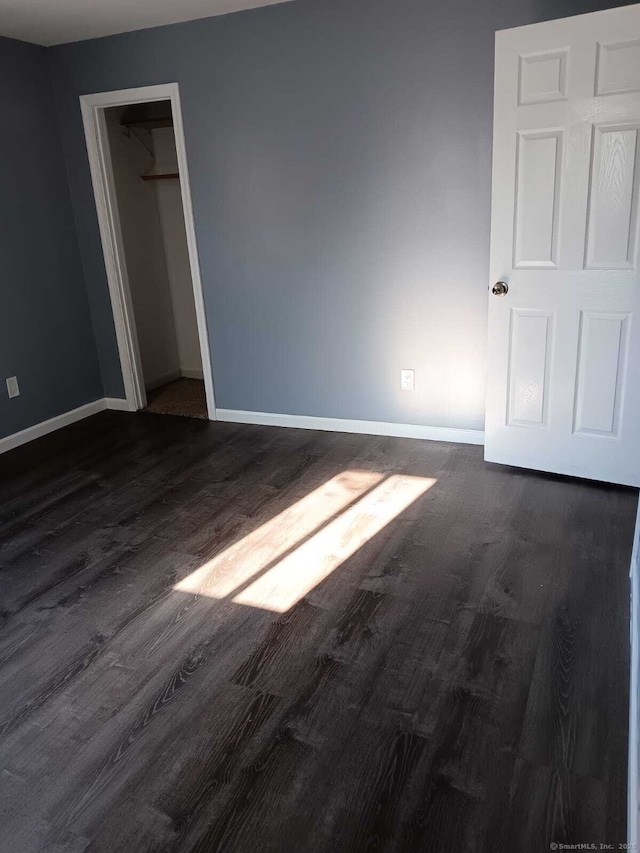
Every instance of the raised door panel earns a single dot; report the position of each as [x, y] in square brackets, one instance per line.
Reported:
[618, 67]
[537, 200]
[530, 345]
[613, 199]
[601, 369]
[542, 77]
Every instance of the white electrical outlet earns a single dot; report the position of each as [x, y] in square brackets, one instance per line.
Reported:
[13, 389]
[408, 380]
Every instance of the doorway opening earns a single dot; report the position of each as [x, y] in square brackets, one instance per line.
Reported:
[138, 164]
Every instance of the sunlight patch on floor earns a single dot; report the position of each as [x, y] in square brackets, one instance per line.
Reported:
[279, 563]
[238, 564]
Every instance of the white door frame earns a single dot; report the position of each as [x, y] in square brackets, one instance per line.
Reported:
[95, 130]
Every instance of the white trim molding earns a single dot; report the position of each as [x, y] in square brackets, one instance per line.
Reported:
[172, 376]
[93, 107]
[117, 404]
[164, 380]
[45, 427]
[192, 373]
[63, 420]
[461, 436]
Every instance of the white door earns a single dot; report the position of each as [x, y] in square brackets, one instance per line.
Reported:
[564, 340]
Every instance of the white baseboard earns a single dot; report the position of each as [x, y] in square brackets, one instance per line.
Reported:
[38, 430]
[171, 376]
[60, 421]
[117, 404]
[634, 687]
[462, 436]
[188, 373]
[182, 372]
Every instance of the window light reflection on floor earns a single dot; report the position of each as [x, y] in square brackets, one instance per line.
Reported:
[277, 564]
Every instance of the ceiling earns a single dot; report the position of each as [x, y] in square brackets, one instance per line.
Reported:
[49, 22]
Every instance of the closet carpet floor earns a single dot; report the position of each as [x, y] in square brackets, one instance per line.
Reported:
[185, 397]
[217, 637]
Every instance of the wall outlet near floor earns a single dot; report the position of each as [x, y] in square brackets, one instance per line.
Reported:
[13, 389]
[408, 380]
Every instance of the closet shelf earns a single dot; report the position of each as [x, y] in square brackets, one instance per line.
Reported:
[166, 177]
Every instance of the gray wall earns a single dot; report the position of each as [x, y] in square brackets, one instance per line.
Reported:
[340, 156]
[46, 338]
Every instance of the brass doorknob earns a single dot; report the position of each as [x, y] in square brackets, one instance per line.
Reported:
[500, 288]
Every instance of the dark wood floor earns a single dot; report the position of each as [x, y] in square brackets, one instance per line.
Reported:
[221, 637]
